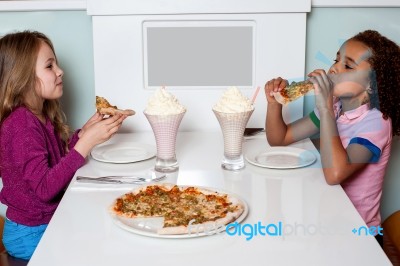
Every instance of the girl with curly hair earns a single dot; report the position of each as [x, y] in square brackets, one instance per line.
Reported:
[357, 112]
[38, 156]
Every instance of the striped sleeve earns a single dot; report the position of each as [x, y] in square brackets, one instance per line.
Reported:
[376, 152]
[314, 119]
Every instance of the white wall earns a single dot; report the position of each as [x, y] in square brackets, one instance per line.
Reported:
[118, 56]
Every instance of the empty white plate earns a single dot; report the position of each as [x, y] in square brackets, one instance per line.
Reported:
[281, 158]
[123, 152]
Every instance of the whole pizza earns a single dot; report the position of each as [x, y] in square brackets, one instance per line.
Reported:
[182, 208]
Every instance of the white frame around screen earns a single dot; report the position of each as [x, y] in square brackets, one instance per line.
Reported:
[198, 23]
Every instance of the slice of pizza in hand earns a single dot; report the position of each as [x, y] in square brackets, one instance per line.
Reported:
[294, 91]
[105, 108]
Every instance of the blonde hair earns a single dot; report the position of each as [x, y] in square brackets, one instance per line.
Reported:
[18, 79]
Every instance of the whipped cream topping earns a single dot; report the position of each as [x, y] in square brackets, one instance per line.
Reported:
[163, 102]
[233, 101]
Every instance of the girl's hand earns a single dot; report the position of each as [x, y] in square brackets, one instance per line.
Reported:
[323, 89]
[274, 85]
[95, 118]
[98, 130]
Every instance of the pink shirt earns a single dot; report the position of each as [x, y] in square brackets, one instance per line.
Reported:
[366, 127]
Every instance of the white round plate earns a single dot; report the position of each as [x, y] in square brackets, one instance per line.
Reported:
[149, 226]
[123, 152]
[281, 158]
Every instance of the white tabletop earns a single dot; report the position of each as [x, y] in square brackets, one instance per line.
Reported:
[317, 219]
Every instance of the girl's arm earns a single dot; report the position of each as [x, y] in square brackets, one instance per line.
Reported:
[97, 130]
[48, 178]
[278, 133]
[78, 133]
[337, 162]
[275, 127]
[73, 139]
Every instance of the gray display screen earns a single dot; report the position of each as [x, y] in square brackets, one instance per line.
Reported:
[199, 56]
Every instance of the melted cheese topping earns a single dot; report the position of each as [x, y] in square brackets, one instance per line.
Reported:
[296, 90]
[103, 103]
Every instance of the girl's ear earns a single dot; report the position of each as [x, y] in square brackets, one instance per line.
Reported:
[369, 89]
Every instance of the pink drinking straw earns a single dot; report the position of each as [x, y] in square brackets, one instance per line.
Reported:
[255, 94]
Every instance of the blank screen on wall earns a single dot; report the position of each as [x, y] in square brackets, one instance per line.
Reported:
[199, 56]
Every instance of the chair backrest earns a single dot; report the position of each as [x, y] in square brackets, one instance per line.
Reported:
[2, 248]
[391, 237]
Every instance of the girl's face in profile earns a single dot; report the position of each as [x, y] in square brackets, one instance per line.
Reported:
[50, 84]
[351, 70]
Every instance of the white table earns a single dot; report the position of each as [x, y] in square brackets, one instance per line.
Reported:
[318, 217]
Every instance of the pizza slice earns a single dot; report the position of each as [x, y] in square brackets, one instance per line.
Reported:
[294, 91]
[105, 108]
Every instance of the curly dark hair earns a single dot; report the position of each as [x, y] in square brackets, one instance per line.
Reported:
[385, 79]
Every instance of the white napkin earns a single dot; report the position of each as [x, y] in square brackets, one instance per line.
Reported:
[83, 186]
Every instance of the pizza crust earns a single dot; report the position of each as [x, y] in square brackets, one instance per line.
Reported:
[280, 99]
[175, 230]
[112, 111]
